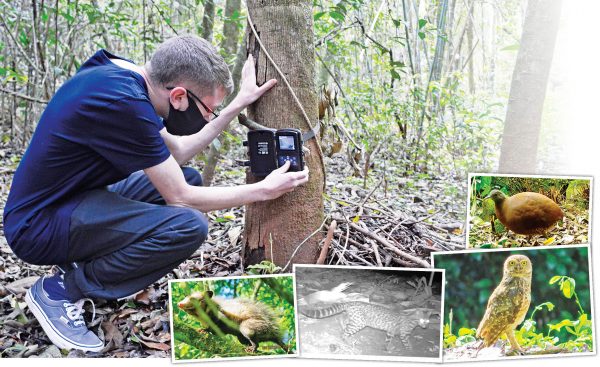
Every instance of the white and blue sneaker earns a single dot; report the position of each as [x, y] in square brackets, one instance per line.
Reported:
[62, 320]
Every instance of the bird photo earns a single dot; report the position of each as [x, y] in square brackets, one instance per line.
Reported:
[508, 304]
[519, 211]
[505, 303]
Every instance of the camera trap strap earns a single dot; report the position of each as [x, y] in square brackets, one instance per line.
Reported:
[253, 125]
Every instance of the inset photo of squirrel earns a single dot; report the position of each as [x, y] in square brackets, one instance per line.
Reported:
[226, 318]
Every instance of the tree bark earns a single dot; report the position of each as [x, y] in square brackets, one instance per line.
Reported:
[208, 19]
[528, 87]
[230, 28]
[214, 152]
[275, 228]
[471, 68]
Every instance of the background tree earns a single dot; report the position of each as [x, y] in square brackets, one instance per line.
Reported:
[274, 229]
[208, 20]
[229, 42]
[528, 88]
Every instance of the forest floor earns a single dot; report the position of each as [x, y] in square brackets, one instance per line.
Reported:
[392, 221]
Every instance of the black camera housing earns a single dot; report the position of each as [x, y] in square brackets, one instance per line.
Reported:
[270, 149]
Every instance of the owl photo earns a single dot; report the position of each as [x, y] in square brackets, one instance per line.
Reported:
[526, 303]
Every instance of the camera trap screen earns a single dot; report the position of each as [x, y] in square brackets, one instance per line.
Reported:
[286, 142]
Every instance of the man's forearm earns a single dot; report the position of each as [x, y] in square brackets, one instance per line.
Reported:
[211, 198]
[189, 146]
[170, 182]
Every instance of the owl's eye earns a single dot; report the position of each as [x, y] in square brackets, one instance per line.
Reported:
[512, 262]
[524, 262]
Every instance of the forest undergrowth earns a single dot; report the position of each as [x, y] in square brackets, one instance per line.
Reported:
[418, 214]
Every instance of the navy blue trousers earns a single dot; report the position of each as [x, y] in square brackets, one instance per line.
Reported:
[124, 238]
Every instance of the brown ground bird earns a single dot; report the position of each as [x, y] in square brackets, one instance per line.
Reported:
[527, 213]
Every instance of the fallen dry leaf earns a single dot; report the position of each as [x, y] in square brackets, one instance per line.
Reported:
[20, 286]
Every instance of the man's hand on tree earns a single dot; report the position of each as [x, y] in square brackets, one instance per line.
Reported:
[281, 181]
[249, 91]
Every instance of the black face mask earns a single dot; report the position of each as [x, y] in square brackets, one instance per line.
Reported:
[186, 122]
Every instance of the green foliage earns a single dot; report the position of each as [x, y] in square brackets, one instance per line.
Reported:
[426, 125]
[560, 319]
[193, 341]
[382, 58]
[464, 336]
[264, 267]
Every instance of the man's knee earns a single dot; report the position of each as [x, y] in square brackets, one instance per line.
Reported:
[193, 228]
[192, 176]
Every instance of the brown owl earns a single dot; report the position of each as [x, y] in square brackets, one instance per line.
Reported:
[509, 303]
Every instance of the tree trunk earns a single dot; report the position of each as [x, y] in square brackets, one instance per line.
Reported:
[208, 19]
[275, 228]
[216, 147]
[528, 88]
[230, 28]
[471, 69]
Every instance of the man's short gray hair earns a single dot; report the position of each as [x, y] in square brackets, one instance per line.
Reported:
[190, 59]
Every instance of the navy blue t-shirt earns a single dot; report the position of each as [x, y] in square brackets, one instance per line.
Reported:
[98, 129]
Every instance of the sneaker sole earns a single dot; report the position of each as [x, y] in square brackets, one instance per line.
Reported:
[53, 335]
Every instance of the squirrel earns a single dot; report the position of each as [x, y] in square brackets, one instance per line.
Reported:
[252, 322]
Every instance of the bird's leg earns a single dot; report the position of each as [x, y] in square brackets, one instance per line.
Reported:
[479, 348]
[514, 346]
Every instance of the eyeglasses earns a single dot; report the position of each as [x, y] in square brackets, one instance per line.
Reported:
[201, 103]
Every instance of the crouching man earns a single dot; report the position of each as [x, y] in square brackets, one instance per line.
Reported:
[100, 185]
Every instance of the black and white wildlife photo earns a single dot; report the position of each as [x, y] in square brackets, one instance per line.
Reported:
[369, 313]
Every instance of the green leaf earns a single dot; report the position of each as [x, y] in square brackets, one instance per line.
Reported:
[548, 305]
[555, 279]
[446, 329]
[528, 325]
[565, 287]
[560, 325]
[462, 340]
[465, 331]
[568, 287]
[421, 35]
[229, 216]
[358, 44]
[318, 15]
[422, 23]
[451, 340]
[514, 47]
[337, 16]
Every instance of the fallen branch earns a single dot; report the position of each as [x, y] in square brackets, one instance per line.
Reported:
[389, 245]
[325, 248]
